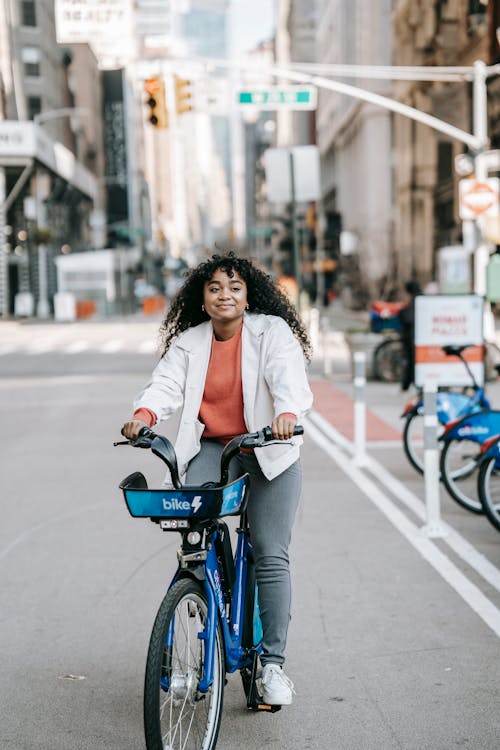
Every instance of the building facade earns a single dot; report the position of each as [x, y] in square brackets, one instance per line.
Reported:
[426, 184]
[355, 142]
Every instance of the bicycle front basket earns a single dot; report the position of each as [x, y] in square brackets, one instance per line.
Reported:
[188, 502]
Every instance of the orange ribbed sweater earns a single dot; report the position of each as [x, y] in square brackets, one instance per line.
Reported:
[221, 409]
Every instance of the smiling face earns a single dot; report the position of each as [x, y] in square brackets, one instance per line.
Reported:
[225, 299]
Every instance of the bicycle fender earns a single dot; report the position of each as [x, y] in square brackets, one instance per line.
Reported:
[197, 573]
[476, 427]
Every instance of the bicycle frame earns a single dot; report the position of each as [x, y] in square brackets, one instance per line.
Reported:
[450, 405]
[236, 655]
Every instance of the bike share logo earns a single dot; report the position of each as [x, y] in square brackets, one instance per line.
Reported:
[218, 590]
[470, 430]
[176, 503]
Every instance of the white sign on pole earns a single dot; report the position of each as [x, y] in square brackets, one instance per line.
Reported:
[106, 25]
[478, 198]
[306, 174]
[442, 319]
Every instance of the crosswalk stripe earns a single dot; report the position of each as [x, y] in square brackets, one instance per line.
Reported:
[112, 346]
[76, 347]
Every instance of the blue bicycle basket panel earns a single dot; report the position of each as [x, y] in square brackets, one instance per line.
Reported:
[450, 405]
[475, 427]
[188, 502]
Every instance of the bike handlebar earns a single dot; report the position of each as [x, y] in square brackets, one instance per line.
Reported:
[163, 448]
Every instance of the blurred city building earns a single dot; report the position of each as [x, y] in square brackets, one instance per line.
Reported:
[122, 133]
[51, 153]
[355, 143]
[425, 180]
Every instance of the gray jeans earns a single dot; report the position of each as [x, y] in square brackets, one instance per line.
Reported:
[271, 512]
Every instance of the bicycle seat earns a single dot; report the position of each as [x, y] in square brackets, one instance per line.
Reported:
[200, 502]
[455, 349]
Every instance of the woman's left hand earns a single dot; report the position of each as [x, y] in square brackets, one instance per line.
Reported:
[283, 426]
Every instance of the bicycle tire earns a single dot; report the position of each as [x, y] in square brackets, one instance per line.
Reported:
[388, 361]
[176, 715]
[458, 465]
[413, 440]
[491, 358]
[488, 486]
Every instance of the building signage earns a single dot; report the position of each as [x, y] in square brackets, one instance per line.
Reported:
[442, 319]
[106, 25]
[278, 97]
[20, 140]
[479, 198]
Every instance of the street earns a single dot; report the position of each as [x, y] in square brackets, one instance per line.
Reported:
[394, 638]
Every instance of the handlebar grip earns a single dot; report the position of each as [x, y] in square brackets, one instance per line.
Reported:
[144, 438]
[268, 435]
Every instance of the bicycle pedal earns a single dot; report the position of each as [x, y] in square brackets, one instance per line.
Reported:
[267, 707]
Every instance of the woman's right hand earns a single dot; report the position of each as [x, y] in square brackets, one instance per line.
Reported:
[131, 429]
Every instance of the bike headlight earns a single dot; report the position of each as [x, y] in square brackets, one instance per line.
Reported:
[194, 537]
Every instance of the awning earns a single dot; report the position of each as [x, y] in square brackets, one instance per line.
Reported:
[21, 141]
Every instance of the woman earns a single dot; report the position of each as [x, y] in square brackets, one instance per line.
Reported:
[233, 361]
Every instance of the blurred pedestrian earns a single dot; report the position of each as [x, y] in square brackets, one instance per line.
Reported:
[234, 352]
[407, 320]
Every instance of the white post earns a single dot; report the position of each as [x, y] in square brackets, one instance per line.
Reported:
[325, 338]
[42, 308]
[433, 527]
[314, 327]
[4, 268]
[359, 409]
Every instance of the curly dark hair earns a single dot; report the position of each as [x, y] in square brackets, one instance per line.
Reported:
[263, 296]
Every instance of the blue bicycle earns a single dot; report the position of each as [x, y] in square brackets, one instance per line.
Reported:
[450, 406]
[488, 480]
[208, 623]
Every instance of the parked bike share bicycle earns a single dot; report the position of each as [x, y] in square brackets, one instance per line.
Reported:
[450, 406]
[461, 453]
[208, 623]
[488, 480]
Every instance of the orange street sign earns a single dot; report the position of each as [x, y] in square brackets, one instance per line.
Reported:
[478, 198]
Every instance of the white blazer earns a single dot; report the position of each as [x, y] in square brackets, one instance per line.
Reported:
[273, 379]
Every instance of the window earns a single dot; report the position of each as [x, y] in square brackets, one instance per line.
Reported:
[31, 61]
[34, 106]
[28, 13]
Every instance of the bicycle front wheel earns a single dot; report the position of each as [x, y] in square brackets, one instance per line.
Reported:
[176, 715]
[458, 465]
[388, 361]
[488, 485]
[413, 440]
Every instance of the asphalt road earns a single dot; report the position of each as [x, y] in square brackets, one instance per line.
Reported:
[384, 649]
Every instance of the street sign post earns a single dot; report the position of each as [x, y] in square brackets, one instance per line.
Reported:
[278, 97]
[479, 198]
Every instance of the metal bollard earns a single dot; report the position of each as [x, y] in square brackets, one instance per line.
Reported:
[327, 358]
[433, 527]
[314, 327]
[360, 458]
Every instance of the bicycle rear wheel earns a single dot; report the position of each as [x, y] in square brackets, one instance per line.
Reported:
[176, 715]
[388, 361]
[413, 440]
[458, 465]
[488, 485]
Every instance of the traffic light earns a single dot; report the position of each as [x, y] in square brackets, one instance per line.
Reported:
[156, 101]
[182, 95]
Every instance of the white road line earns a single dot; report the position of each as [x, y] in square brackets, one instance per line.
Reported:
[453, 539]
[80, 345]
[469, 592]
[112, 346]
[40, 347]
[146, 347]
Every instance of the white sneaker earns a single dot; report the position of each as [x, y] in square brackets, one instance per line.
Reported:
[277, 688]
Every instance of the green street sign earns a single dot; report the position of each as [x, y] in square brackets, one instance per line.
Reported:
[278, 97]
